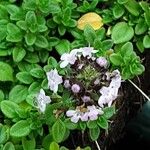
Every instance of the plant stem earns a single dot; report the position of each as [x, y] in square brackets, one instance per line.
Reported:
[139, 90]
[98, 147]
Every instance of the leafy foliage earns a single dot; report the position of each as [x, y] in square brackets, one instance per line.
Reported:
[33, 35]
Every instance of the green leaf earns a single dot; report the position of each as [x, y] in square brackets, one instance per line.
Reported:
[41, 41]
[52, 62]
[116, 59]
[24, 77]
[94, 133]
[91, 124]
[126, 50]
[43, 56]
[107, 44]
[133, 7]
[70, 125]
[6, 72]
[28, 144]
[9, 108]
[147, 17]
[3, 32]
[102, 122]
[18, 54]
[122, 1]
[141, 27]
[30, 38]
[109, 112]
[32, 57]
[89, 34]
[122, 32]
[58, 131]
[2, 96]
[31, 21]
[3, 12]
[61, 30]
[34, 87]
[146, 41]
[118, 11]
[63, 47]
[82, 125]
[20, 129]
[54, 146]
[140, 45]
[37, 73]
[144, 5]
[4, 134]
[14, 33]
[9, 146]
[18, 93]
[22, 24]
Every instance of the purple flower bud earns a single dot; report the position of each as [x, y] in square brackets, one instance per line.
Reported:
[75, 88]
[102, 62]
[86, 98]
[66, 84]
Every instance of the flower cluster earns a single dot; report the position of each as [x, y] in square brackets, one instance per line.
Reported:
[88, 76]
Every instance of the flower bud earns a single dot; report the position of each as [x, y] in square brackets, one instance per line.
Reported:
[66, 84]
[102, 62]
[75, 88]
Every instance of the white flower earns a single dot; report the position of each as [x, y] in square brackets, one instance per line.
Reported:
[102, 62]
[42, 101]
[68, 58]
[91, 113]
[87, 51]
[74, 114]
[54, 79]
[110, 93]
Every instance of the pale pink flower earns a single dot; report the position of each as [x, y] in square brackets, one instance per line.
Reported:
[75, 88]
[42, 101]
[54, 79]
[102, 62]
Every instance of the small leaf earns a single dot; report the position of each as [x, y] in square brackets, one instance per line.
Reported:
[63, 47]
[122, 1]
[18, 93]
[22, 24]
[94, 133]
[89, 34]
[30, 38]
[58, 131]
[37, 72]
[4, 134]
[147, 17]
[91, 19]
[109, 112]
[41, 41]
[141, 27]
[118, 11]
[9, 108]
[91, 124]
[6, 72]
[102, 122]
[18, 54]
[28, 144]
[1, 95]
[9, 146]
[122, 32]
[20, 129]
[116, 59]
[24, 77]
[133, 7]
[54, 146]
[14, 33]
[70, 125]
[146, 41]
[34, 87]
